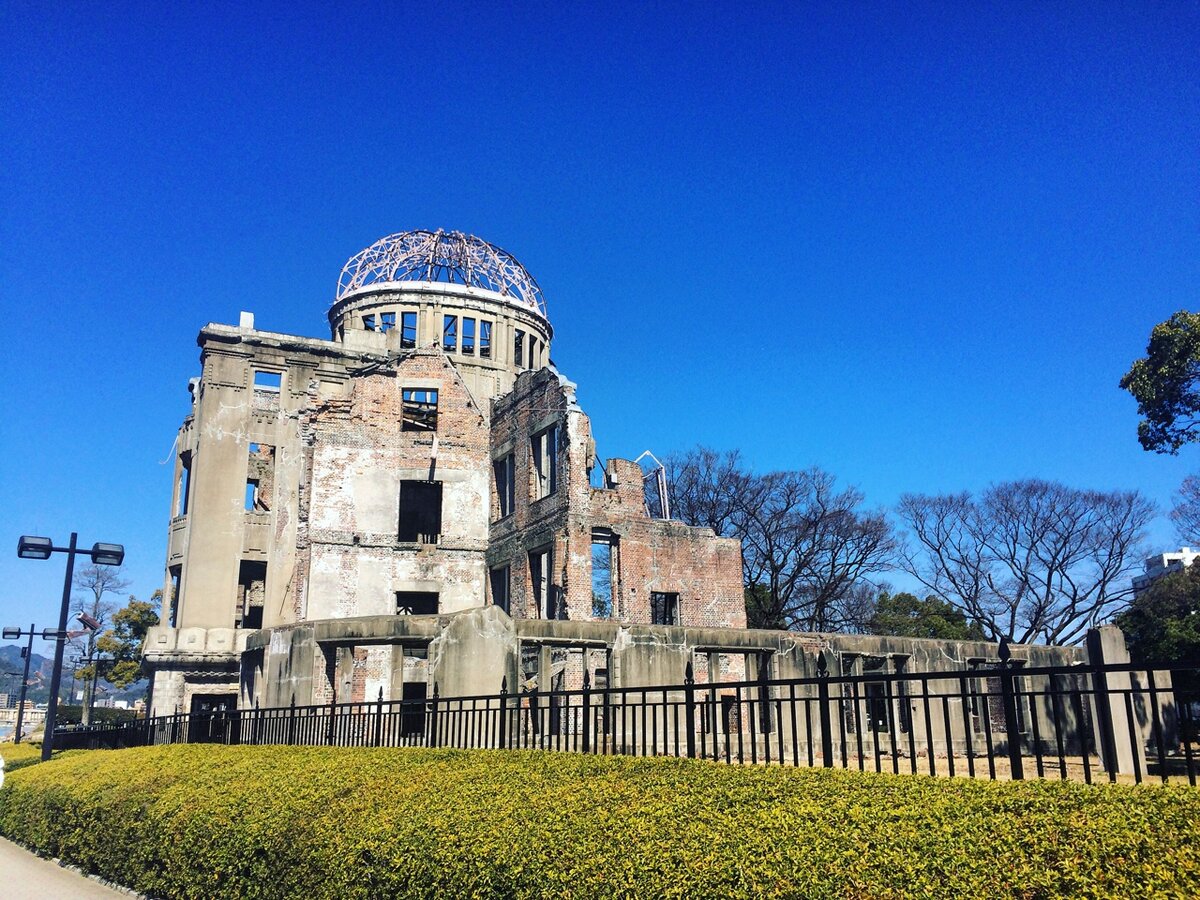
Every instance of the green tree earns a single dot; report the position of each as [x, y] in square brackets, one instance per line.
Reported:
[1166, 385]
[904, 615]
[1162, 625]
[123, 642]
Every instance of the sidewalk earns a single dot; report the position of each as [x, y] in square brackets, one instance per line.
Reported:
[29, 877]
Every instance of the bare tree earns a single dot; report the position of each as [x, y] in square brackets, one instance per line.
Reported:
[1186, 511]
[705, 487]
[1028, 560]
[808, 548]
[99, 587]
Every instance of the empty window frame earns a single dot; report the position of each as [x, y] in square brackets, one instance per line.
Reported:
[500, 581]
[260, 477]
[505, 470]
[252, 591]
[664, 608]
[485, 339]
[541, 569]
[185, 483]
[468, 336]
[416, 603]
[387, 321]
[420, 409]
[420, 512]
[370, 323]
[449, 333]
[267, 381]
[518, 348]
[408, 330]
[544, 462]
[604, 574]
[532, 351]
[176, 573]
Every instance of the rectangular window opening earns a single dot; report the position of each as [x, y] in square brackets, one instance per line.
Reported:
[267, 381]
[252, 593]
[449, 333]
[173, 601]
[500, 587]
[387, 321]
[416, 603]
[260, 477]
[420, 407]
[518, 347]
[369, 323]
[420, 512]
[604, 574]
[468, 336]
[408, 330]
[185, 483]
[545, 462]
[541, 569]
[664, 608]
[505, 489]
[485, 339]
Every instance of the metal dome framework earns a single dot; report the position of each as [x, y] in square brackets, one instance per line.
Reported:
[450, 257]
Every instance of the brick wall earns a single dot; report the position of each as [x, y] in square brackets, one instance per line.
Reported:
[650, 554]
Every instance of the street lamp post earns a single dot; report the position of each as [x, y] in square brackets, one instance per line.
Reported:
[9, 635]
[40, 548]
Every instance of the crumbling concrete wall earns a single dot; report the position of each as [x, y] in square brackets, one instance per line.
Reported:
[357, 454]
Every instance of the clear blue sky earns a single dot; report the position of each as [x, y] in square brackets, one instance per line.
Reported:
[914, 244]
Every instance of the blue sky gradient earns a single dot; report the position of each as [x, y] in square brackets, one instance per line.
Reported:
[916, 245]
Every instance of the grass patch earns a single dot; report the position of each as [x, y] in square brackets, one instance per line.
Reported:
[213, 821]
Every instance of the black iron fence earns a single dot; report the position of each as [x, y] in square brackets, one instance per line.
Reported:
[1084, 722]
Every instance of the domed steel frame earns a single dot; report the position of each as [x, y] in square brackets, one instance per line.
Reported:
[445, 256]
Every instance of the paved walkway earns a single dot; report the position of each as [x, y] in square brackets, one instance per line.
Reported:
[29, 877]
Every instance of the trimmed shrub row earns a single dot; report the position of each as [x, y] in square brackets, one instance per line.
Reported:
[18, 756]
[247, 822]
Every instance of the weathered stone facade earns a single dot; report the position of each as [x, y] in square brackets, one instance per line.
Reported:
[361, 476]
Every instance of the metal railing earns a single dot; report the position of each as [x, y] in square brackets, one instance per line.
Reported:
[1086, 722]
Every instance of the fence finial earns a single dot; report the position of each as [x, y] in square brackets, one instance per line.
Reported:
[688, 675]
[1005, 651]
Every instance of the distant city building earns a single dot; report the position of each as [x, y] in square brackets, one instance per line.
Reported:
[1163, 564]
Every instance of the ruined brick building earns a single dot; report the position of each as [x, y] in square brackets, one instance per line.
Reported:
[337, 502]
[415, 504]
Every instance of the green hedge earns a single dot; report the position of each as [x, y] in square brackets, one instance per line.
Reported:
[212, 821]
[17, 756]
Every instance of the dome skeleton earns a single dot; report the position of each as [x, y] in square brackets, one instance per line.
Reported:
[441, 256]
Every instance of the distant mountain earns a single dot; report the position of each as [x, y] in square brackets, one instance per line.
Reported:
[41, 670]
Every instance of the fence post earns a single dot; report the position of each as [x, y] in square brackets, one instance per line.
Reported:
[332, 716]
[502, 737]
[433, 723]
[257, 722]
[379, 719]
[1105, 731]
[148, 739]
[689, 693]
[291, 732]
[587, 707]
[1008, 696]
[823, 705]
